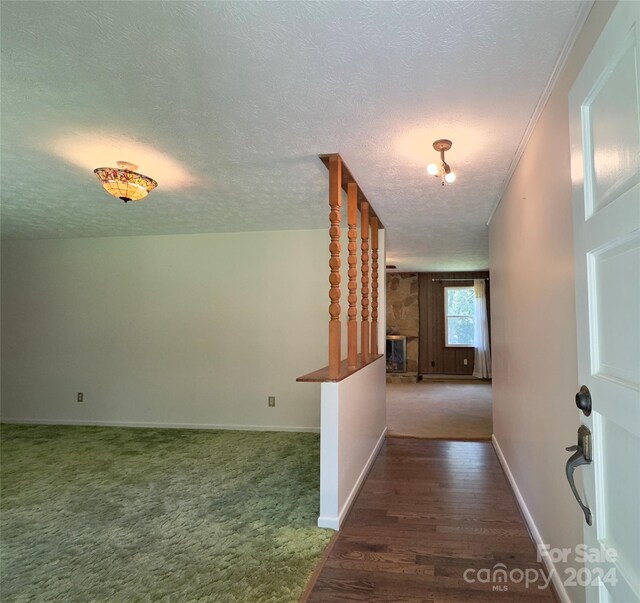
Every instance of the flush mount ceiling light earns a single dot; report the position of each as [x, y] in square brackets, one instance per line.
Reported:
[442, 170]
[124, 182]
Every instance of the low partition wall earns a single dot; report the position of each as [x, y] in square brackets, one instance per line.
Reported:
[352, 429]
[353, 400]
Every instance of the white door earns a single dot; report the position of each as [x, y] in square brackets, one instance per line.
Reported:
[604, 113]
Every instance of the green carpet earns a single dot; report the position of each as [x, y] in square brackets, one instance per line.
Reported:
[116, 514]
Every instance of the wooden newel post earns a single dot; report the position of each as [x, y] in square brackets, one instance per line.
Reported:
[364, 233]
[352, 324]
[335, 201]
[374, 286]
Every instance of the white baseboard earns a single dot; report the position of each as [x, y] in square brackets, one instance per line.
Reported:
[145, 424]
[363, 475]
[334, 523]
[535, 533]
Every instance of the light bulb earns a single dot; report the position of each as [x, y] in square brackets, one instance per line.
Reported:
[432, 169]
[450, 177]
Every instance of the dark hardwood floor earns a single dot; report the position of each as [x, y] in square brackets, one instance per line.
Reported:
[429, 511]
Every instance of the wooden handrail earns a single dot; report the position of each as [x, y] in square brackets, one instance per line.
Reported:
[324, 376]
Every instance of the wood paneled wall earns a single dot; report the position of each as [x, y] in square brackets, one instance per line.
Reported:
[435, 357]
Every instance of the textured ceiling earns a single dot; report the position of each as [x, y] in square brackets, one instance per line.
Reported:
[227, 104]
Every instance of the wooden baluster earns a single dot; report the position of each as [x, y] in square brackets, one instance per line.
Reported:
[335, 201]
[374, 286]
[364, 233]
[352, 324]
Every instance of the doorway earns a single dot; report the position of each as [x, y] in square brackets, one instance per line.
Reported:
[438, 317]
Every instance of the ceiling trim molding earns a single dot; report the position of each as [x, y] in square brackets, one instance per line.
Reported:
[585, 9]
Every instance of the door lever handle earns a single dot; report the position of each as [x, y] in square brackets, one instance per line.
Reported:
[576, 460]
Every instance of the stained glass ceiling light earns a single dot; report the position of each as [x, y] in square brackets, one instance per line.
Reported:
[124, 182]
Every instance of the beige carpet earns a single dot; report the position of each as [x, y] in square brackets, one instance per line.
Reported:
[435, 409]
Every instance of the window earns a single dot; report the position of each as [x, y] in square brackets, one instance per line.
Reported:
[459, 316]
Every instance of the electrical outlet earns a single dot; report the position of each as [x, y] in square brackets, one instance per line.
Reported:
[272, 400]
[465, 361]
[80, 397]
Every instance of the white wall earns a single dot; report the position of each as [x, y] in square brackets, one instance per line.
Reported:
[177, 330]
[533, 316]
[353, 429]
[353, 417]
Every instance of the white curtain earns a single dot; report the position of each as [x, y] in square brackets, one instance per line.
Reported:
[482, 361]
